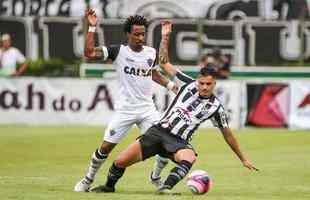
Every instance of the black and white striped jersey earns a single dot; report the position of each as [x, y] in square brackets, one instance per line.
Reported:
[188, 110]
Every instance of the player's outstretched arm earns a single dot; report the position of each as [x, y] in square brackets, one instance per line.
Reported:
[163, 81]
[92, 52]
[231, 140]
[166, 28]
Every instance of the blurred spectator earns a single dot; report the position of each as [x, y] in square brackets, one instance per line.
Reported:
[269, 13]
[10, 57]
[284, 8]
[220, 62]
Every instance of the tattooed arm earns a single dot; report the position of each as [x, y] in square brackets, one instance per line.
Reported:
[163, 81]
[166, 28]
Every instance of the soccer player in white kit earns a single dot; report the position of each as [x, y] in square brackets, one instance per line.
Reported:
[134, 64]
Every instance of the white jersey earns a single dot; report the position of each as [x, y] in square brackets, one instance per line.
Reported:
[134, 71]
[9, 60]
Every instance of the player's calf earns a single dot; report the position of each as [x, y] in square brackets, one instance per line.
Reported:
[159, 165]
[96, 161]
[115, 173]
[176, 174]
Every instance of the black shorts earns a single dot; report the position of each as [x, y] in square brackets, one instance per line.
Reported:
[158, 140]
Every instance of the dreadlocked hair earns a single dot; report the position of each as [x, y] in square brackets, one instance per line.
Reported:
[134, 20]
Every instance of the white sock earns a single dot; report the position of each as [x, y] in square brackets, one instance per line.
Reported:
[96, 161]
[159, 165]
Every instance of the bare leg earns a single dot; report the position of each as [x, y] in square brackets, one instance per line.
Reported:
[129, 156]
[185, 154]
[106, 147]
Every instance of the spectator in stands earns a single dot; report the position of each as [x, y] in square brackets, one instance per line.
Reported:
[220, 62]
[269, 13]
[284, 8]
[10, 57]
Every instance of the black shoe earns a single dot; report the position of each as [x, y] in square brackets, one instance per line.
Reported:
[103, 189]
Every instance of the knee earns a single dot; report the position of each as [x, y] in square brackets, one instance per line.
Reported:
[193, 159]
[186, 154]
[106, 147]
[119, 163]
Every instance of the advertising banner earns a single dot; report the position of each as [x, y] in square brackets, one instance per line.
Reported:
[267, 104]
[299, 105]
[55, 101]
[65, 101]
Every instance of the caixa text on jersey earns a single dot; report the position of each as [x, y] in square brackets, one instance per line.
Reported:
[137, 71]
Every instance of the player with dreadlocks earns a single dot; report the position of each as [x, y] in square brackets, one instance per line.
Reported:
[135, 66]
[171, 136]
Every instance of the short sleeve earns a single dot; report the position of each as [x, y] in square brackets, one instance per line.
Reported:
[155, 62]
[183, 78]
[110, 52]
[220, 118]
[20, 58]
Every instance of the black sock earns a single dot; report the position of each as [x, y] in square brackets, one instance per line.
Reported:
[100, 155]
[178, 173]
[114, 174]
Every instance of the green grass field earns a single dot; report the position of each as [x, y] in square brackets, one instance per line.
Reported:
[45, 163]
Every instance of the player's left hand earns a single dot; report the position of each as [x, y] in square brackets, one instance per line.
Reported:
[91, 17]
[249, 165]
[166, 28]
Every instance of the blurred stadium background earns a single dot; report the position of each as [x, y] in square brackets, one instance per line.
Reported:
[51, 118]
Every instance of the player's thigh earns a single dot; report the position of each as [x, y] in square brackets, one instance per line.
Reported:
[178, 149]
[118, 127]
[129, 156]
[185, 154]
[149, 119]
[150, 143]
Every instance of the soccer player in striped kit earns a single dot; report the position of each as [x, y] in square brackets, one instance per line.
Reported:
[135, 67]
[171, 136]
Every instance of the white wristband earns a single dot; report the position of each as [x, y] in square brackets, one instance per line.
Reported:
[92, 29]
[170, 85]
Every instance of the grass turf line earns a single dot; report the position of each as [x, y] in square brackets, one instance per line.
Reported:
[45, 163]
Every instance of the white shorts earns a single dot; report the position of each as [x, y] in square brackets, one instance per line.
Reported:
[121, 122]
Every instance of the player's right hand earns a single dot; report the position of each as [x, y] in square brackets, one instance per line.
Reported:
[249, 165]
[166, 27]
[91, 17]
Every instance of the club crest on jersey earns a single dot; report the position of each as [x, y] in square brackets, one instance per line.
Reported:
[137, 71]
[112, 132]
[206, 109]
[149, 62]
